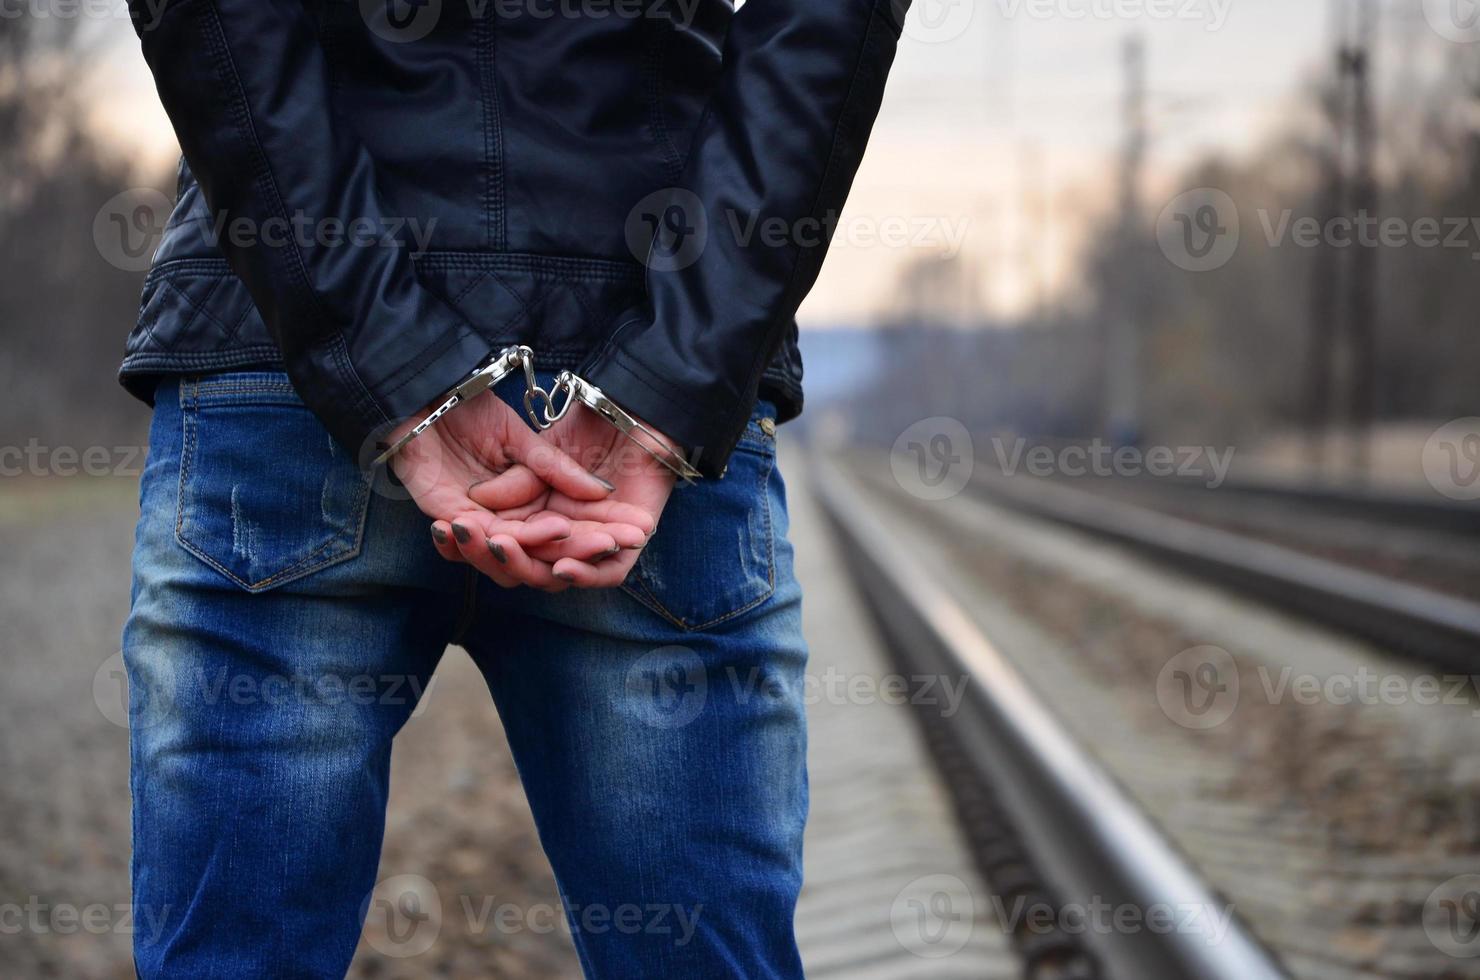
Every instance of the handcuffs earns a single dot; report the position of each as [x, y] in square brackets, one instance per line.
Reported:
[551, 408]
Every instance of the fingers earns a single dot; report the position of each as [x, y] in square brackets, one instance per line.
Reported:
[515, 488]
[611, 537]
[526, 569]
[497, 548]
[442, 541]
[589, 542]
[539, 529]
[626, 535]
[471, 545]
[467, 539]
[552, 466]
[605, 574]
[606, 512]
[547, 551]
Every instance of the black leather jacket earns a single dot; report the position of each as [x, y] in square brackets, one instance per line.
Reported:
[376, 194]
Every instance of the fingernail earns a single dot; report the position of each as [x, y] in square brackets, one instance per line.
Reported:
[461, 533]
[610, 486]
[476, 485]
[565, 576]
[498, 551]
[439, 535]
[612, 550]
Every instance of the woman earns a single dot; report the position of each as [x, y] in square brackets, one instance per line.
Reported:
[375, 201]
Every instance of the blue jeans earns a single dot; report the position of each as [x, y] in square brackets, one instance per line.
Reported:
[287, 614]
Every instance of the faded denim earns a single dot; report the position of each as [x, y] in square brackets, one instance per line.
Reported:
[287, 614]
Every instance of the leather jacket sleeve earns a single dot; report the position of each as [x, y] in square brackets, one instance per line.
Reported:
[246, 86]
[743, 236]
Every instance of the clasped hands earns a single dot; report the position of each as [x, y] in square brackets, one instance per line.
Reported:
[572, 506]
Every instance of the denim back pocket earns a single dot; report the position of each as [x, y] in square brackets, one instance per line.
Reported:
[266, 495]
[712, 557]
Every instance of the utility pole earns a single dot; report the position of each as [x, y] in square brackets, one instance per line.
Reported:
[1123, 360]
[1362, 311]
[1341, 363]
[1326, 273]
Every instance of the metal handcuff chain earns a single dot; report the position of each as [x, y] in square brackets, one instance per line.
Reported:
[545, 408]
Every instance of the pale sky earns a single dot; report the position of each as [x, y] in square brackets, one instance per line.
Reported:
[993, 103]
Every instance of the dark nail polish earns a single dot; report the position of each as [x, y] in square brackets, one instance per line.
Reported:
[439, 535]
[461, 533]
[498, 552]
[610, 486]
[565, 576]
[612, 550]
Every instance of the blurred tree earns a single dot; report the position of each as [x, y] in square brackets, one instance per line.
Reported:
[64, 308]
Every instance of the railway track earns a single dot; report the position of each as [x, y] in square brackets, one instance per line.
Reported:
[1398, 614]
[1338, 823]
[1079, 837]
[1370, 505]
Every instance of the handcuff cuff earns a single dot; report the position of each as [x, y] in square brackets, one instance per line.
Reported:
[551, 407]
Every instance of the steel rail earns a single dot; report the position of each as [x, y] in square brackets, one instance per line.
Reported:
[1373, 504]
[1401, 617]
[1095, 846]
